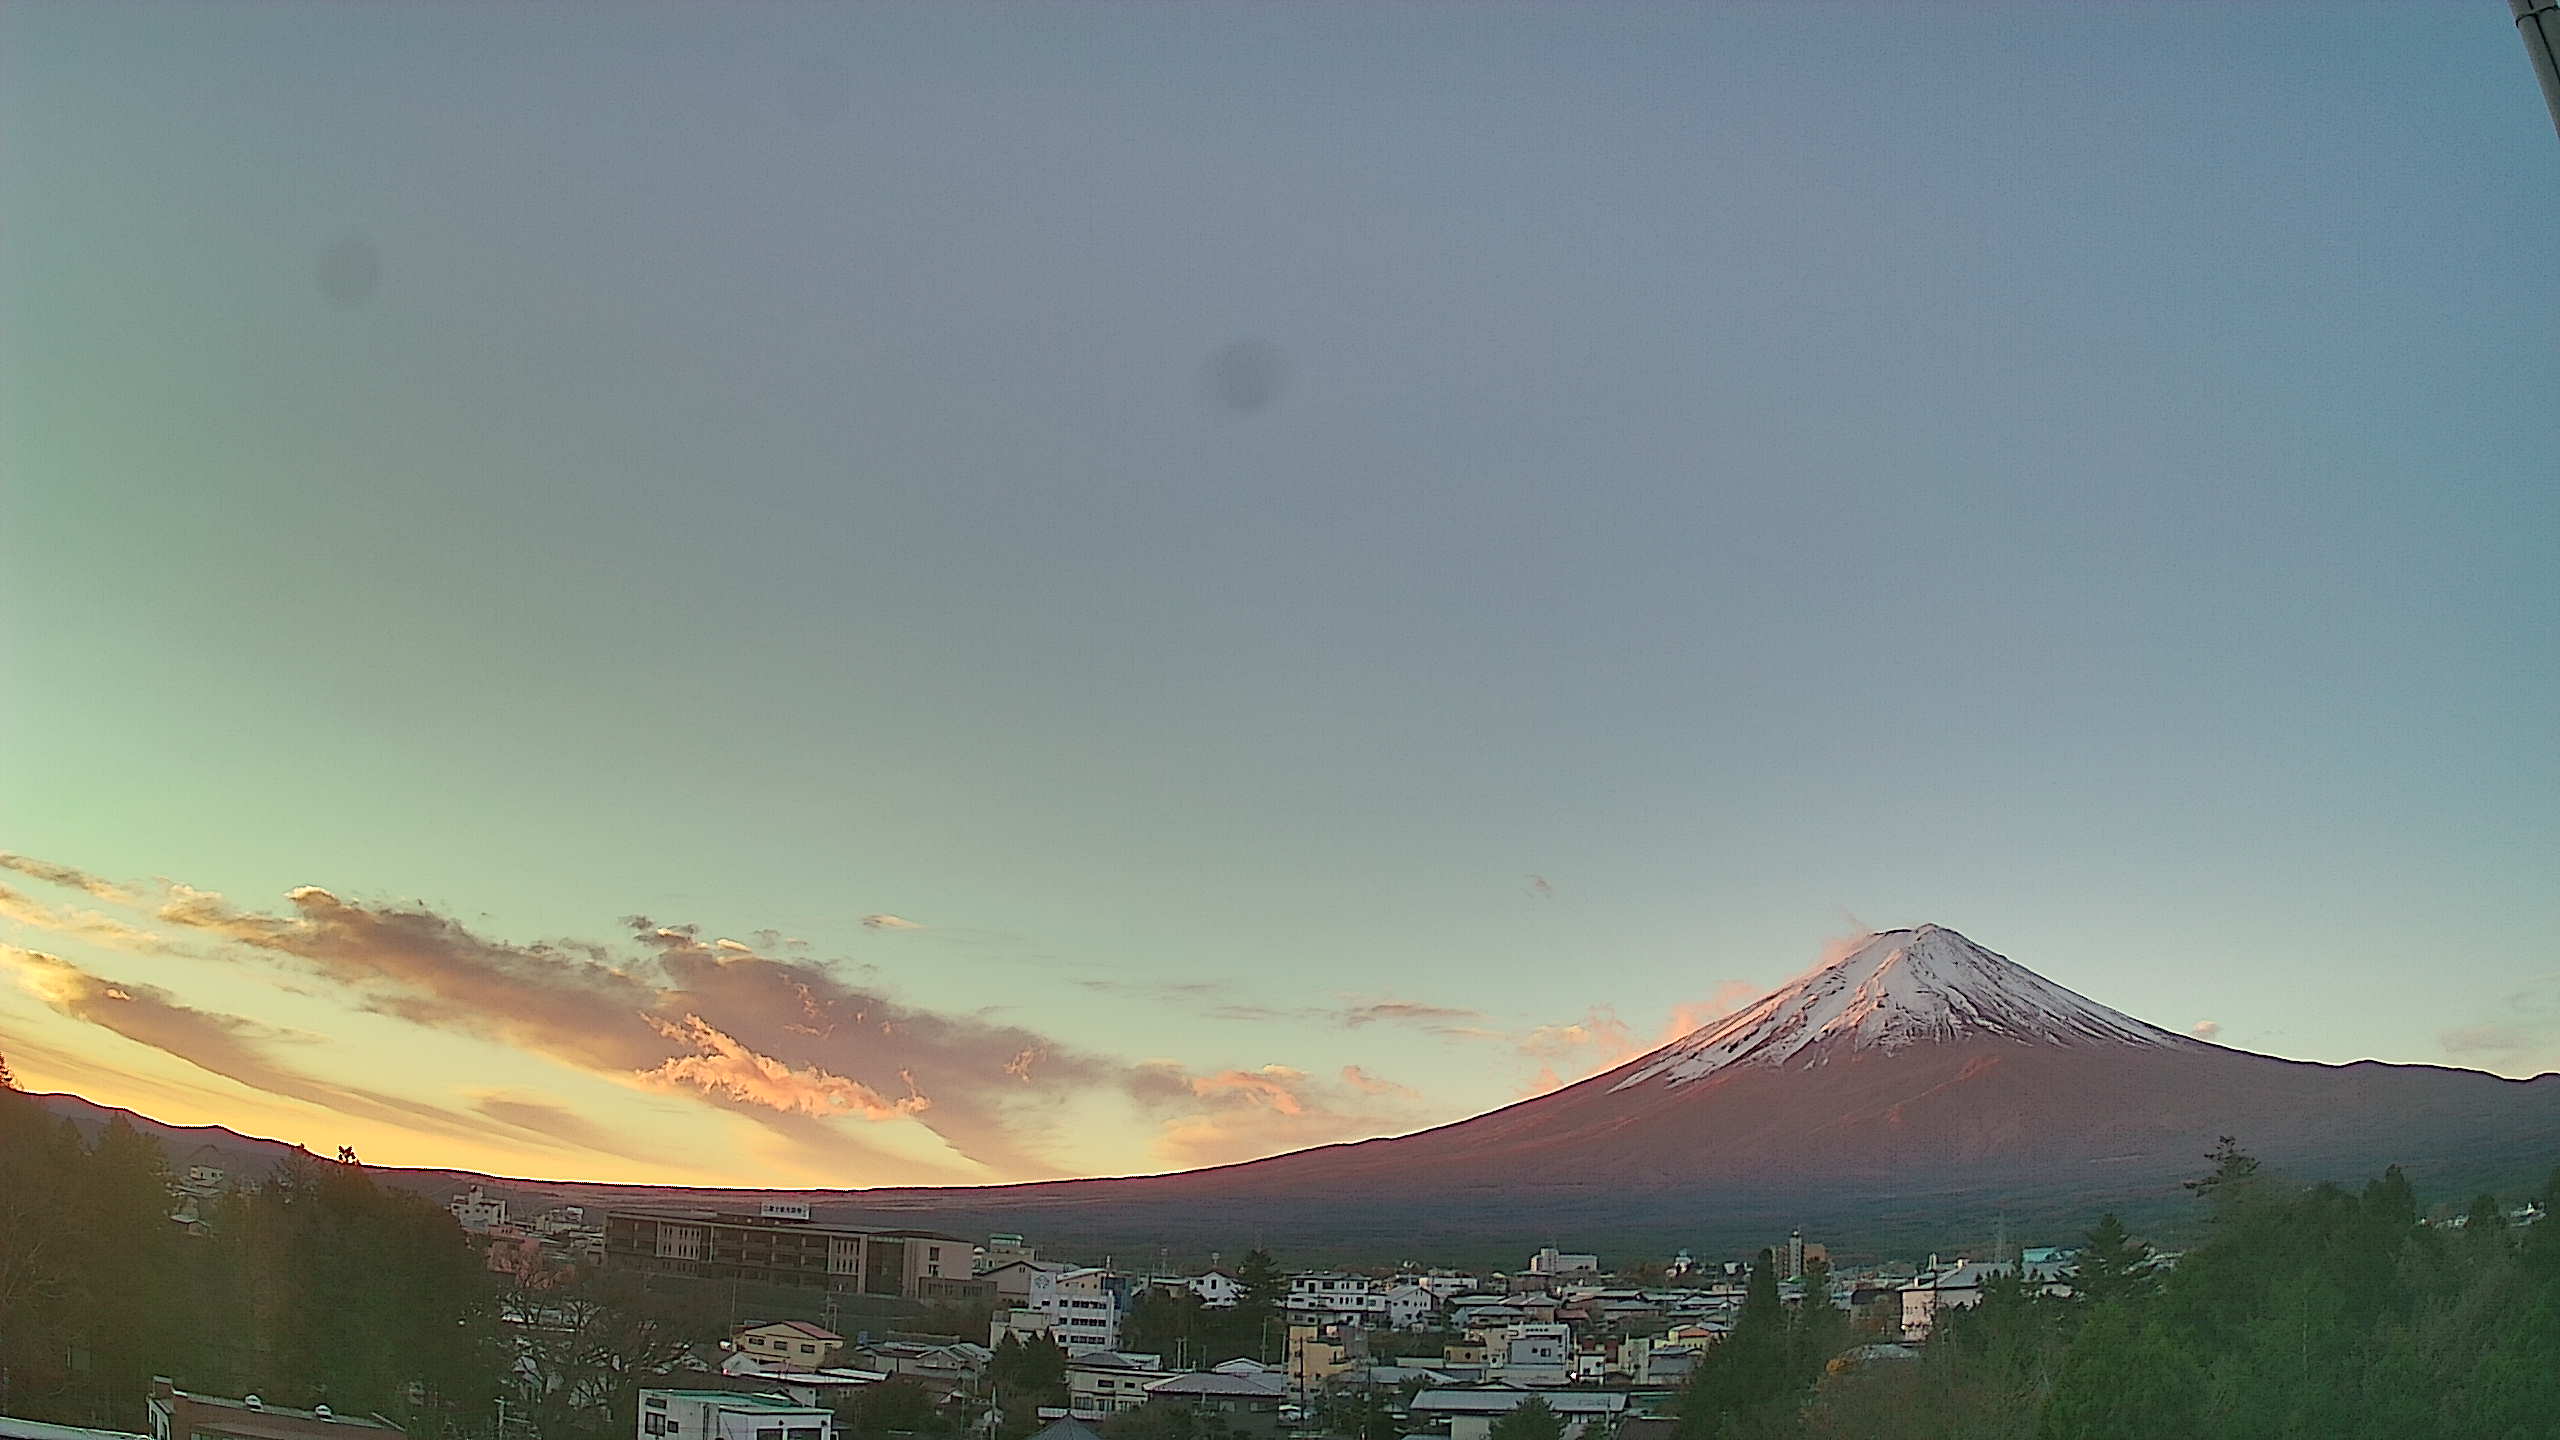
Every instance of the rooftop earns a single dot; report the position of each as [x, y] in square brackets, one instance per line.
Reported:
[246, 1415]
[737, 1400]
[1503, 1402]
[777, 1222]
[798, 1327]
[1249, 1387]
[12, 1428]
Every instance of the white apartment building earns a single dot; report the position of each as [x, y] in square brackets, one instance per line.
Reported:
[729, 1415]
[1551, 1261]
[1083, 1310]
[1327, 1295]
[1446, 1285]
[1102, 1383]
[1408, 1307]
[1535, 1353]
[477, 1211]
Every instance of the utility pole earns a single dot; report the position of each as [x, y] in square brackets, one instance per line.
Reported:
[2538, 21]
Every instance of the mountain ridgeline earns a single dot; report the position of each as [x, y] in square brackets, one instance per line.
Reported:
[1919, 1081]
[1915, 1086]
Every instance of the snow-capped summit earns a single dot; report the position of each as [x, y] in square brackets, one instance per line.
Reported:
[1898, 988]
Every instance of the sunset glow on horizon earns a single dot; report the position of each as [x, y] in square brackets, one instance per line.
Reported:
[927, 594]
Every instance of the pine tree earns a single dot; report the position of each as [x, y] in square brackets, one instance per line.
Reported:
[2113, 1265]
[1751, 1372]
[1264, 1286]
[1821, 1329]
[2233, 1182]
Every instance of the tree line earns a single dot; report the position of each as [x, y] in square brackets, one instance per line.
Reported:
[316, 1287]
[2306, 1311]
[310, 1286]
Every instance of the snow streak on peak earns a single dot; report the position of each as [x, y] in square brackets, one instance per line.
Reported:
[1899, 988]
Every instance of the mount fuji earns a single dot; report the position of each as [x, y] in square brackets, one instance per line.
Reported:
[1915, 1086]
[1918, 1080]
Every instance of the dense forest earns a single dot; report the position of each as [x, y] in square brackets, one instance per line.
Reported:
[318, 1286]
[2305, 1312]
[314, 1286]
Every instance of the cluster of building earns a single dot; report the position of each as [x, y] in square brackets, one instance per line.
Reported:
[1475, 1344]
[1452, 1350]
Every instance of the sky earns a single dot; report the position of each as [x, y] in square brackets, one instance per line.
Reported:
[850, 595]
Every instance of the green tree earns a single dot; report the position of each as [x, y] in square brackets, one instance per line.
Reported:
[1751, 1374]
[1026, 1375]
[2125, 1380]
[2485, 1218]
[1821, 1329]
[2232, 1184]
[2112, 1264]
[40, 1163]
[1163, 1322]
[1531, 1419]
[1263, 1284]
[2390, 1201]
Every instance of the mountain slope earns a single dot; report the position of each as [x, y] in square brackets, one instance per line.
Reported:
[1918, 1081]
[1900, 988]
[1919, 1074]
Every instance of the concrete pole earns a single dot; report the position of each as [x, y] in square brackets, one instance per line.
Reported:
[2538, 21]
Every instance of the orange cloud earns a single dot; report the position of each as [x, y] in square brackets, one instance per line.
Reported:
[722, 1066]
[789, 1042]
[1368, 1084]
[1231, 1115]
[1600, 1041]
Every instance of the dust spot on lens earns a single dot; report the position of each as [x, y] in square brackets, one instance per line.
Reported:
[349, 270]
[1247, 375]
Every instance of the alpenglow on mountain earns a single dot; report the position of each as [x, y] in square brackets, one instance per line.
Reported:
[1916, 1078]
[1920, 1081]
[1899, 988]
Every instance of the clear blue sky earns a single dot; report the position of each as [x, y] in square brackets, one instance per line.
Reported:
[2081, 475]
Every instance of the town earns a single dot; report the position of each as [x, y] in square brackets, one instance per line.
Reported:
[183, 1302]
[989, 1337]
